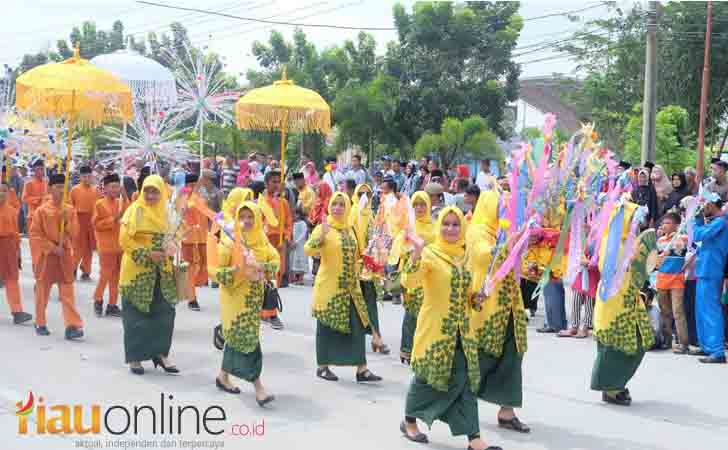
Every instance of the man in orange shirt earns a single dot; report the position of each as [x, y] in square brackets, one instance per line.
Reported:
[55, 259]
[9, 253]
[34, 193]
[83, 198]
[106, 222]
[194, 243]
[277, 235]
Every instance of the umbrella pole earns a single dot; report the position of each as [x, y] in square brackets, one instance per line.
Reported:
[284, 130]
[66, 182]
[202, 127]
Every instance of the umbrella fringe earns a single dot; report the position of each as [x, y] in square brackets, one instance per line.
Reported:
[267, 118]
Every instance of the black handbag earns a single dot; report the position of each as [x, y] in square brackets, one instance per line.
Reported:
[271, 298]
[217, 338]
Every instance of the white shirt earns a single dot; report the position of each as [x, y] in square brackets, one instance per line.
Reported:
[485, 181]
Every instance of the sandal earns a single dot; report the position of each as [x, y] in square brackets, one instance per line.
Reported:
[266, 400]
[420, 438]
[622, 398]
[326, 374]
[514, 424]
[567, 333]
[367, 376]
[582, 334]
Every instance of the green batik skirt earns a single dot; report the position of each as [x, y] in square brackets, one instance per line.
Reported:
[613, 369]
[338, 349]
[148, 335]
[246, 366]
[369, 291]
[458, 407]
[501, 380]
[409, 325]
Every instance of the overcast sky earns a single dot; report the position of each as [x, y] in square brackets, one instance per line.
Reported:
[35, 25]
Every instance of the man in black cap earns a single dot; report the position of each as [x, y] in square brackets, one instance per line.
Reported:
[194, 243]
[718, 184]
[83, 197]
[55, 259]
[107, 225]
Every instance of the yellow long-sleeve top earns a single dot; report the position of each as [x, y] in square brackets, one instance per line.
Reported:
[618, 318]
[241, 298]
[143, 229]
[446, 310]
[491, 321]
[337, 281]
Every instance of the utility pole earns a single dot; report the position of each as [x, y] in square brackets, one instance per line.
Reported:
[704, 93]
[649, 105]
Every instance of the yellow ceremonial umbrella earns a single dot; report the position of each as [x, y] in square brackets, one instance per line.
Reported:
[74, 90]
[283, 107]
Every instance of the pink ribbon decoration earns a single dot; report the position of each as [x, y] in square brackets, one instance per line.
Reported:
[513, 257]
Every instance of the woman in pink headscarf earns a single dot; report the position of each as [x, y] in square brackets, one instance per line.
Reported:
[310, 174]
[243, 179]
[462, 173]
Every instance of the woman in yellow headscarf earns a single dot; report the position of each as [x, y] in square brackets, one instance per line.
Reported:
[338, 304]
[425, 230]
[500, 324]
[235, 198]
[148, 288]
[622, 327]
[361, 220]
[445, 352]
[241, 297]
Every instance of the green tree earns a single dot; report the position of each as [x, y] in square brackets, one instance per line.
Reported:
[611, 54]
[674, 143]
[467, 139]
[454, 60]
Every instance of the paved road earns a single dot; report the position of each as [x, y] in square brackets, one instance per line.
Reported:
[678, 403]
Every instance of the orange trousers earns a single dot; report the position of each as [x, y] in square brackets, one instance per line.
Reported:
[12, 293]
[196, 256]
[71, 318]
[110, 270]
[84, 244]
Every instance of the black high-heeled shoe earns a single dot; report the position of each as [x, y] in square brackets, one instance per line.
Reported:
[266, 400]
[157, 361]
[137, 370]
[222, 387]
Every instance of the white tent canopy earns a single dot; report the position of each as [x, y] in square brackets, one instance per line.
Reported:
[149, 81]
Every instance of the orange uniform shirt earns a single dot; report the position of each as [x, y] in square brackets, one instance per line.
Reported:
[46, 232]
[9, 219]
[84, 198]
[34, 194]
[105, 224]
[196, 225]
[283, 214]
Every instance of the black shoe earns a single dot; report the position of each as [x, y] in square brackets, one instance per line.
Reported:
[621, 399]
[113, 311]
[157, 361]
[533, 313]
[266, 400]
[222, 387]
[21, 317]
[666, 346]
[326, 374]
[73, 333]
[214, 285]
[420, 438]
[698, 352]
[193, 305]
[86, 277]
[367, 377]
[713, 360]
[275, 323]
[514, 424]
[136, 370]
[397, 300]
[42, 330]
[99, 309]
[387, 297]
[545, 329]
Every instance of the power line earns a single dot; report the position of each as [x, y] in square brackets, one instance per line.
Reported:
[270, 22]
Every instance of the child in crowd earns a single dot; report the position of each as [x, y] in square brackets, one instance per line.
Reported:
[299, 261]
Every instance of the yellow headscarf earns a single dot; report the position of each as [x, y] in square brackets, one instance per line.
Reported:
[485, 214]
[234, 199]
[444, 248]
[343, 223]
[423, 225]
[142, 217]
[254, 240]
[360, 219]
